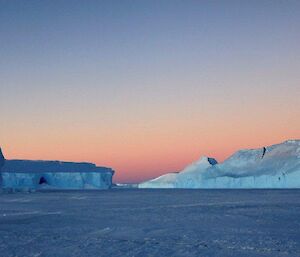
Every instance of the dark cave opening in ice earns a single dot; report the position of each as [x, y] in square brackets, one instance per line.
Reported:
[43, 181]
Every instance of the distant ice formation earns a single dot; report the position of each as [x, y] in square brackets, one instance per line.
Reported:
[2, 161]
[25, 174]
[276, 166]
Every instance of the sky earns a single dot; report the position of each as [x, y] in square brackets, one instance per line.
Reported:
[147, 87]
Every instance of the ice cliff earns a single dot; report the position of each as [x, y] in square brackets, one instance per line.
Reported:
[276, 166]
[2, 161]
[25, 174]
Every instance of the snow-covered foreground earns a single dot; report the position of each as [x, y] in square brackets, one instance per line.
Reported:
[137, 222]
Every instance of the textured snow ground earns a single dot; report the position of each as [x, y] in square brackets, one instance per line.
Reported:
[132, 222]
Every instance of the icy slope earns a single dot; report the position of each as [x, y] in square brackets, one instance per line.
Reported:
[164, 181]
[24, 174]
[276, 166]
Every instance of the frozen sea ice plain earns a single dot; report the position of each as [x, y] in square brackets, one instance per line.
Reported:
[147, 222]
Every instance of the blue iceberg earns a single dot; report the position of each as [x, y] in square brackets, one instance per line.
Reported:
[276, 166]
[26, 174]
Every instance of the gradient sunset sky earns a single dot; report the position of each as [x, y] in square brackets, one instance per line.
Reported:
[147, 87]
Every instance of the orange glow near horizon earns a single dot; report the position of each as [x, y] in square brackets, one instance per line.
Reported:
[139, 160]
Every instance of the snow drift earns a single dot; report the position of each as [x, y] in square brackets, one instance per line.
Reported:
[276, 166]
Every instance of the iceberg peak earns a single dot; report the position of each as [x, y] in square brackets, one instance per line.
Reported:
[212, 161]
[202, 164]
[206, 160]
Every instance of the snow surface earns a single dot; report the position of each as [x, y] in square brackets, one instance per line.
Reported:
[24, 175]
[128, 222]
[276, 166]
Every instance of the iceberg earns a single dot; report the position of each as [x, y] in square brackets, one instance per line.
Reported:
[276, 166]
[2, 161]
[28, 175]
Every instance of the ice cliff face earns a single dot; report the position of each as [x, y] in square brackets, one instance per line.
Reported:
[2, 161]
[24, 174]
[276, 166]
